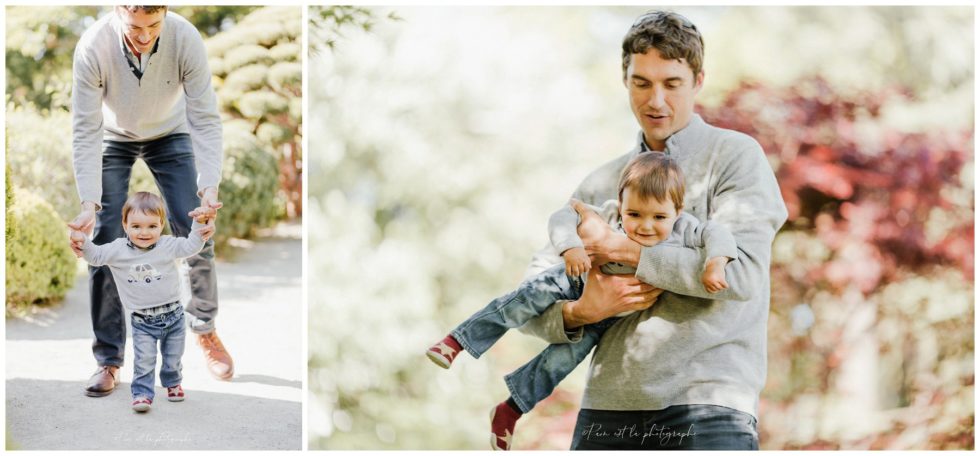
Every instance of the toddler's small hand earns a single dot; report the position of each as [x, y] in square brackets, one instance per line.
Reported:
[714, 275]
[206, 231]
[77, 237]
[577, 262]
[76, 240]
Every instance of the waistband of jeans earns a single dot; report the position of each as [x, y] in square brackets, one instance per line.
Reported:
[158, 310]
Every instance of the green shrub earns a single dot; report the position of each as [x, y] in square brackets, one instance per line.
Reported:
[246, 78]
[255, 105]
[249, 54]
[286, 52]
[40, 264]
[272, 135]
[8, 193]
[249, 181]
[39, 157]
[286, 76]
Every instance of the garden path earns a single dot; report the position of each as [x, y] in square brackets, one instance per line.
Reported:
[49, 359]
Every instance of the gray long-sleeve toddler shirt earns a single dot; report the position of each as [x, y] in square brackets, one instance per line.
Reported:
[145, 278]
[691, 346]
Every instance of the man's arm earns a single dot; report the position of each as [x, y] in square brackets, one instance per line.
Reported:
[87, 128]
[203, 119]
[747, 201]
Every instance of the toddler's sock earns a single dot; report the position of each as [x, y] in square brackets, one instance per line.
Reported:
[503, 419]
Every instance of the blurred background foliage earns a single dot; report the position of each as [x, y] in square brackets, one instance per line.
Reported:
[262, 167]
[446, 138]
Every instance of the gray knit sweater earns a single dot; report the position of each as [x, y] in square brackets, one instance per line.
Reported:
[691, 347]
[174, 95]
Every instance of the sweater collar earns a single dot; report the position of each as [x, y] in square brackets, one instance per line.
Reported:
[680, 143]
[134, 246]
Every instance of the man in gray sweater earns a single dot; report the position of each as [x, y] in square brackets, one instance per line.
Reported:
[141, 88]
[686, 371]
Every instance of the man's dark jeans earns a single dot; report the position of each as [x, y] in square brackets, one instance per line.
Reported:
[681, 427]
[171, 160]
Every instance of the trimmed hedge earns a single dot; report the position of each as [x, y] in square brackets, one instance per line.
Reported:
[40, 264]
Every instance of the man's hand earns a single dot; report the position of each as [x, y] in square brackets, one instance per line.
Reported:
[209, 206]
[83, 222]
[576, 261]
[607, 295]
[602, 243]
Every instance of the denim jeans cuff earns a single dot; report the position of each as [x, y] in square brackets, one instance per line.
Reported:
[521, 403]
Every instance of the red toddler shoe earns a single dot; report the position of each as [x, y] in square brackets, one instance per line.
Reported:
[444, 352]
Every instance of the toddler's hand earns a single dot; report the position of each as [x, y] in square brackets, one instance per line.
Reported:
[77, 237]
[206, 231]
[577, 262]
[714, 275]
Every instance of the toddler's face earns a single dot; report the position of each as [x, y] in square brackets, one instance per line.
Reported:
[143, 229]
[646, 220]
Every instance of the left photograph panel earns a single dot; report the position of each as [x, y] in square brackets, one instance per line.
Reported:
[154, 228]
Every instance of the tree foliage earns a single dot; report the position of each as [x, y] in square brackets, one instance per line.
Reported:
[328, 23]
[872, 272]
[258, 70]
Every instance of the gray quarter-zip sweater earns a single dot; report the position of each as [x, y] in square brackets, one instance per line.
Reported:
[172, 94]
[691, 346]
[145, 278]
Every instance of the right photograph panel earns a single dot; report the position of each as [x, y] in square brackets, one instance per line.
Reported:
[622, 228]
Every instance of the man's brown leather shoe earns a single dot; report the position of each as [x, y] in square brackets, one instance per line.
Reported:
[219, 361]
[103, 381]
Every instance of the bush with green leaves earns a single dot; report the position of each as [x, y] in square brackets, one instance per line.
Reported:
[249, 181]
[39, 156]
[40, 265]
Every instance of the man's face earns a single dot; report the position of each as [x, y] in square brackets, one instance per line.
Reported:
[141, 29]
[143, 229]
[661, 95]
[646, 220]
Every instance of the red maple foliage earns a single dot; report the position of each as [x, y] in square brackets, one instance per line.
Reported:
[851, 189]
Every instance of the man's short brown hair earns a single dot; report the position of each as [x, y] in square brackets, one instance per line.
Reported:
[654, 175]
[148, 9]
[671, 34]
[146, 203]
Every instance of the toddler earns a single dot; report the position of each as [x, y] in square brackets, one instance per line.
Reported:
[649, 211]
[144, 266]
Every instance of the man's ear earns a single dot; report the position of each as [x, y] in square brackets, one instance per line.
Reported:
[699, 81]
